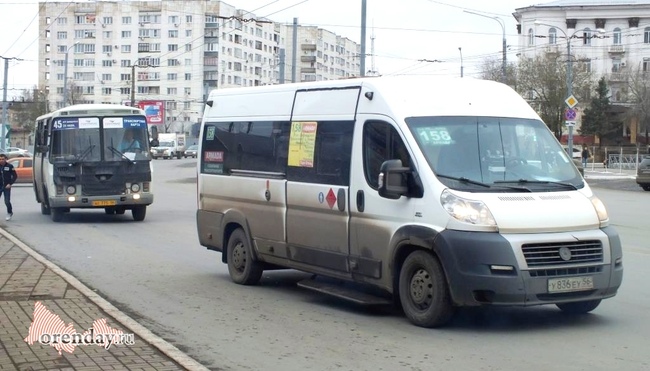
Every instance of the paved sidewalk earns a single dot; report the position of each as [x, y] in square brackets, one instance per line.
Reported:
[27, 278]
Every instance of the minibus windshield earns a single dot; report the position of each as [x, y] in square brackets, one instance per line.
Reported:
[494, 151]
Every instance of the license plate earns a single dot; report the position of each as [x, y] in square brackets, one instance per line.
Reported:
[569, 284]
[104, 203]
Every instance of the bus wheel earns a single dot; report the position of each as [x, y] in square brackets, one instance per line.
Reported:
[242, 266]
[139, 212]
[56, 214]
[423, 290]
[44, 209]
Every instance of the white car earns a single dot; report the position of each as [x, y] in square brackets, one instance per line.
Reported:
[17, 152]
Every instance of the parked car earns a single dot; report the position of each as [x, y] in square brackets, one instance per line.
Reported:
[643, 173]
[13, 152]
[23, 166]
[191, 151]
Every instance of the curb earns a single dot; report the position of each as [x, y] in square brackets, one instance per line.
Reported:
[162, 345]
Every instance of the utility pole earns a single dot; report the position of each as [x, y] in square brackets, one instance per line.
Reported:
[133, 84]
[295, 50]
[362, 60]
[461, 61]
[504, 46]
[5, 104]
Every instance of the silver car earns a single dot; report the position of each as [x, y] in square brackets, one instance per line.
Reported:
[191, 151]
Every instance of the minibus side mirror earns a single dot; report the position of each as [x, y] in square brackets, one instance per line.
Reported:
[393, 179]
[42, 148]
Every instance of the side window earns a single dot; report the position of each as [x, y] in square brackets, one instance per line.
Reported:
[325, 160]
[250, 146]
[381, 142]
[27, 163]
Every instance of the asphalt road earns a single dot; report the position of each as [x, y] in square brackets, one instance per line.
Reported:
[157, 272]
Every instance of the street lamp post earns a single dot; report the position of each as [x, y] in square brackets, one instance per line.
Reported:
[569, 77]
[65, 73]
[504, 59]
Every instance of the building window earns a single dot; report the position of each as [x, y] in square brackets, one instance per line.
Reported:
[172, 91]
[586, 37]
[531, 39]
[61, 35]
[552, 36]
[617, 36]
[126, 49]
[126, 34]
[188, 76]
[107, 20]
[616, 65]
[173, 34]
[172, 47]
[126, 20]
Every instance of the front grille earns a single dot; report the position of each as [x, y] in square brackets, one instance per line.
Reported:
[566, 271]
[546, 254]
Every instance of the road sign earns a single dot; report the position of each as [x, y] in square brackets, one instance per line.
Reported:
[570, 114]
[571, 101]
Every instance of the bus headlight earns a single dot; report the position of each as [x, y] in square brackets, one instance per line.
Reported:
[135, 187]
[467, 211]
[71, 189]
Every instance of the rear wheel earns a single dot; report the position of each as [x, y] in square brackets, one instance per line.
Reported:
[57, 214]
[579, 307]
[242, 266]
[646, 187]
[139, 212]
[423, 290]
[44, 209]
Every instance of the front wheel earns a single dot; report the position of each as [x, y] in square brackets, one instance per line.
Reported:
[579, 307]
[45, 210]
[646, 187]
[423, 290]
[139, 212]
[242, 266]
[57, 214]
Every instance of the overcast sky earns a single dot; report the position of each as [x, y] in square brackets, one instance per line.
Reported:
[406, 32]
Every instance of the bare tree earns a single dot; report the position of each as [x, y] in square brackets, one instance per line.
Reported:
[75, 94]
[32, 104]
[639, 98]
[543, 81]
[492, 69]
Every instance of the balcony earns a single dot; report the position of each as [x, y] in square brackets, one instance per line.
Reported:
[617, 77]
[552, 49]
[616, 49]
[307, 70]
[308, 46]
[308, 58]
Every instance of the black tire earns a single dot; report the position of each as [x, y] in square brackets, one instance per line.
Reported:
[423, 290]
[109, 210]
[646, 187]
[45, 210]
[242, 266]
[178, 155]
[139, 212]
[579, 307]
[57, 214]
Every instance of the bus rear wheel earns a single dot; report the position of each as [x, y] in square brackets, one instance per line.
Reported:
[139, 212]
[45, 210]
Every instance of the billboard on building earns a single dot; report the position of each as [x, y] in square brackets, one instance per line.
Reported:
[154, 110]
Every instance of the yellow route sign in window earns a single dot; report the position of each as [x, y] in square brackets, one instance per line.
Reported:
[302, 144]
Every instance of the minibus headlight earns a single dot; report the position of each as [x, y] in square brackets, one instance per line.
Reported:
[601, 211]
[135, 187]
[467, 211]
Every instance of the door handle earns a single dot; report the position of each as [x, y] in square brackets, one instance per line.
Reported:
[360, 201]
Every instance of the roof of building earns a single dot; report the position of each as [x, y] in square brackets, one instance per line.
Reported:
[591, 3]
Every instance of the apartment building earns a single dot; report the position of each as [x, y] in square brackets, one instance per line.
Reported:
[611, 37]
[174, 52]
[320, 55]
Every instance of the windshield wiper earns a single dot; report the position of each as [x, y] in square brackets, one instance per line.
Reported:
[464, 180]
[117, 152]
[85, 153]
[475, 182]
[529, 181]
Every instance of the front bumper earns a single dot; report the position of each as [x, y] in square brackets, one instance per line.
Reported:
[84, 202]
[470, 258]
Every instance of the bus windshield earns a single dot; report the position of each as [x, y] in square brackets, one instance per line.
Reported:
[94, 139]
